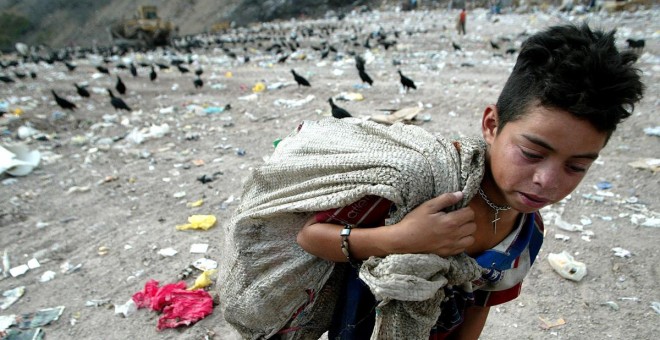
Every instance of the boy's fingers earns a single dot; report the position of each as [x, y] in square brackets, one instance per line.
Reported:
[443, 201]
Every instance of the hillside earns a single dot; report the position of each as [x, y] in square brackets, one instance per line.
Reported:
[58, 23]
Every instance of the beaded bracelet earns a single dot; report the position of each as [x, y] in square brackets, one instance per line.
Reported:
[344, 244]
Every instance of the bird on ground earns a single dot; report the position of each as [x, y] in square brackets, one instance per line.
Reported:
[33, 75]
[494, 45]
[120, 87]
[456, 46]
[133, 70]
[6, 79]
[182, 69]
[153, 74]
[198, 82]
[118, 103]
[102, 69]
[20, 75]
[365, 77]
[282, 59]
[299, 79]
[359, 62]
[199, 71]
[511, 51]
[407, 82]
[63, 103]
[70, 66]
[636, 45]
[162, 66]
[82, 91]
[337, 111]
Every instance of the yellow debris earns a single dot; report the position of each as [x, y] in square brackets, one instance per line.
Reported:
[198, 222]
[203, 280]
[258, 87]
[195, 204]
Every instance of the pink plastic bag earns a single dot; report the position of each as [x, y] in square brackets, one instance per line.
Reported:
[179, 306]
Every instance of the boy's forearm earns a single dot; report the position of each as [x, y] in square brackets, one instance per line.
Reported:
[323, 240]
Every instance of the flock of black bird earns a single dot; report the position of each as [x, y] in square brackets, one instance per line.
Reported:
[239, 43]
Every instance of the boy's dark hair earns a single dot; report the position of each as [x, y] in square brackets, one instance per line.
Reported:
[574, 69]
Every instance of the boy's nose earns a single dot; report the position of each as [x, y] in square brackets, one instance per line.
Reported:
[547, 177]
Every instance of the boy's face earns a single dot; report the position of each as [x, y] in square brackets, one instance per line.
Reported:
[539, 158]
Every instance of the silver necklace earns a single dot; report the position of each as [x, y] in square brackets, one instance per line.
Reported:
[495, 207]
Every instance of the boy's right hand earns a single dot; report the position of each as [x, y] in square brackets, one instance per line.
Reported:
[428, 229]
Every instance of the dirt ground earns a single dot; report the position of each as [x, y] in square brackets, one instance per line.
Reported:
[110, 205]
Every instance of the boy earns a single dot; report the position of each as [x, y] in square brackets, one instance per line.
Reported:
[569, 89]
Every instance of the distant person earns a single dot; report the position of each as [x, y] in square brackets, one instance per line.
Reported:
[460, 25]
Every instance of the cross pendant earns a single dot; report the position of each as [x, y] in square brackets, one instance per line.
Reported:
[494, 222]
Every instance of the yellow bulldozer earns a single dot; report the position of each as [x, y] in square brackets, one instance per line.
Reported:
[145, 30]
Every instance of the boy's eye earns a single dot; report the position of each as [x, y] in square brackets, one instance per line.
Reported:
[530, 155]
[575, 168]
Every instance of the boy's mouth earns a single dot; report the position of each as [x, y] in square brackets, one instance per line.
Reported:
[534, 201]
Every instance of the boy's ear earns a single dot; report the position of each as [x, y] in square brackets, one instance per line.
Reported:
[489, 123]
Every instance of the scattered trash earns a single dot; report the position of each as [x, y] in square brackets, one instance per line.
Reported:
[97, 303]
[203, 280]
[216, 109]
[655, 305]
[23, 334]
[289, 103]
[18, 159]
[406, 115]
[593, 197]
[199, 248]
[47, 276]
[179, 306]
[155, 131]
[126, 309]
[620, 252]
[566, 266]
[103, 250]
[349, 96]
[652, 164]
[167, 252]
[652, 131]
[547, 324]
[18, 271]
[563, 225]
[645, 221]
[40, 318]
[204, 264]
[562, 237]
[5, 264]
[6, 321]
[603, 185]
[652, 222]
[198, 222]
[11, 296]
[68, 268]
[195, 204]
[258, 87]
[611, 304]
[249, 97]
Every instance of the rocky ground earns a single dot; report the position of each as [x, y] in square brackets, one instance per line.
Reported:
[111, 187]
